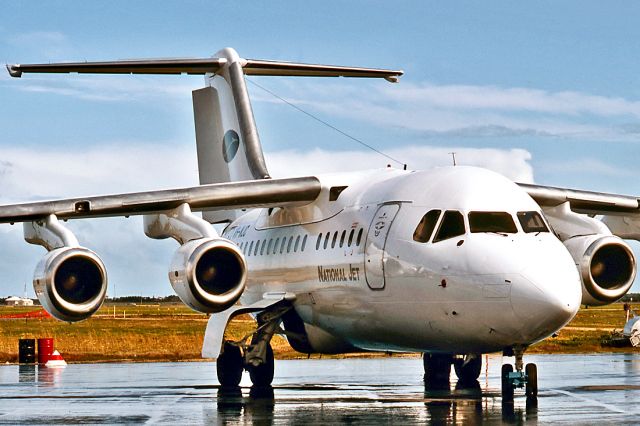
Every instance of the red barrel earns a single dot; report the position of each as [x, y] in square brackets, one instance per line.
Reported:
[45, 349]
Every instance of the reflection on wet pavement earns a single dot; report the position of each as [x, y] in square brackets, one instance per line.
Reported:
[573, 389]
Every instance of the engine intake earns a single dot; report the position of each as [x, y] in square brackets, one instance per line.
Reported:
[71, 283]
[209, 275]
[606, 265]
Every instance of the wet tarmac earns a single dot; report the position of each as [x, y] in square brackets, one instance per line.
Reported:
[574, 389]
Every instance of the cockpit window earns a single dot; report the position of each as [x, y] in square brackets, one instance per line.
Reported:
[532, 222]
[500, 222]
[425, 228]
[451, 226]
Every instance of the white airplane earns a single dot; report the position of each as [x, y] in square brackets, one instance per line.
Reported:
[452, 262]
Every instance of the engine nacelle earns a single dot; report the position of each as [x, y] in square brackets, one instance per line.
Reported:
[71, 283]
[208, 274]
[606, 265]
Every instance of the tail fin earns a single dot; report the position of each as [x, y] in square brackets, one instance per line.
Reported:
[228, 144]
[227, 140]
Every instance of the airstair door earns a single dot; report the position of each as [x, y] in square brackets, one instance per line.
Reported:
[374, 255]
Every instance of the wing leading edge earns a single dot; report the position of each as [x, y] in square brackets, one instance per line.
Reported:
[221, 196]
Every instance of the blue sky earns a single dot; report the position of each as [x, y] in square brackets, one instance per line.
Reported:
[548, 92]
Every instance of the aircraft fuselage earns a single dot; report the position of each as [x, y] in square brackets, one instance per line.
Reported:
[361, 277]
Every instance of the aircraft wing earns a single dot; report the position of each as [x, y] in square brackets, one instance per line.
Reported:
[620, 213]
[220, 196]
[587, 202]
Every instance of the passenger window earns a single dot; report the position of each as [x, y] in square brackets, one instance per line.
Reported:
[255, 252]
[275, 246]
[318, 242]
[282, 244]
[425, 228]
[335, 238]
[289, 244]
[500, 222]
[351, 237]
[326, 240]
[532, 222]
[451, 226]
[344, 234]
[304, 243]
[295, 247]
[359, 237]
[269, 246]
[264, 242]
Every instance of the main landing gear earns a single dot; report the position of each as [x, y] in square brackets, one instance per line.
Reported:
[255, 357]
[526, 377]
[437, 368]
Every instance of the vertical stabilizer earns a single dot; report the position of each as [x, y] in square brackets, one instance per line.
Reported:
[226, 136]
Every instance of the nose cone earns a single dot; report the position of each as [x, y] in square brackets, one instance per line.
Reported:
[547, 296]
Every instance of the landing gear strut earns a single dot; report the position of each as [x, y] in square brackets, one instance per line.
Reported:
[526, 377]
[256, 357]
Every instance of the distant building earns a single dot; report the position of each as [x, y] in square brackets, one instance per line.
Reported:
[18, 301]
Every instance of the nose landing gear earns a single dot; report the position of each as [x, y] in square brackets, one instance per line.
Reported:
[526, 377]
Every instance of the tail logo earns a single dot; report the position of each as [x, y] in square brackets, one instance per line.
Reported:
[230, 145]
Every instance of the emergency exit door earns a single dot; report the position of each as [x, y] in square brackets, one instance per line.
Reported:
[374, 254]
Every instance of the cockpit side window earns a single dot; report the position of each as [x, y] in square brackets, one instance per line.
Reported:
[451, 226]
[425, 228]
[492, 222]
[532, 222]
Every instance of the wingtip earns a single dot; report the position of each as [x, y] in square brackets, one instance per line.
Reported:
[395, 77]
[14, 70]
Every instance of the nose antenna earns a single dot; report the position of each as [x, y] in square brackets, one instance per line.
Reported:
[453, 156]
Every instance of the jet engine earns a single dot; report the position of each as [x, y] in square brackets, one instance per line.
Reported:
[71, 283]
[606, 265]
[208, 274]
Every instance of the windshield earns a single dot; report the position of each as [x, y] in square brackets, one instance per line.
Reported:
[451, 226]
[532, 222]
[500, 222]
[425, 228]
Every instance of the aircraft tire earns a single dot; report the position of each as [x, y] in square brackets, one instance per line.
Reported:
[469, 371]
[229, 366]
[507, 386]
[437, 368]
[262, 375]
[532, 380]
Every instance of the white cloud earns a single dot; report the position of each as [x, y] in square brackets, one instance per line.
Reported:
[512, 99]
[466, 110]
[513, 163]
[37, 173]
[112, 88]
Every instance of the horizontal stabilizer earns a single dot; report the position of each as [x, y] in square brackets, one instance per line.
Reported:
[154, 66]
[203, 66]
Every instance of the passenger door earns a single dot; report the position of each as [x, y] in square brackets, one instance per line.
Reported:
[374, 255]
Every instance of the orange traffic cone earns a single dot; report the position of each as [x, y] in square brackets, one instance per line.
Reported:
[56, 360]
